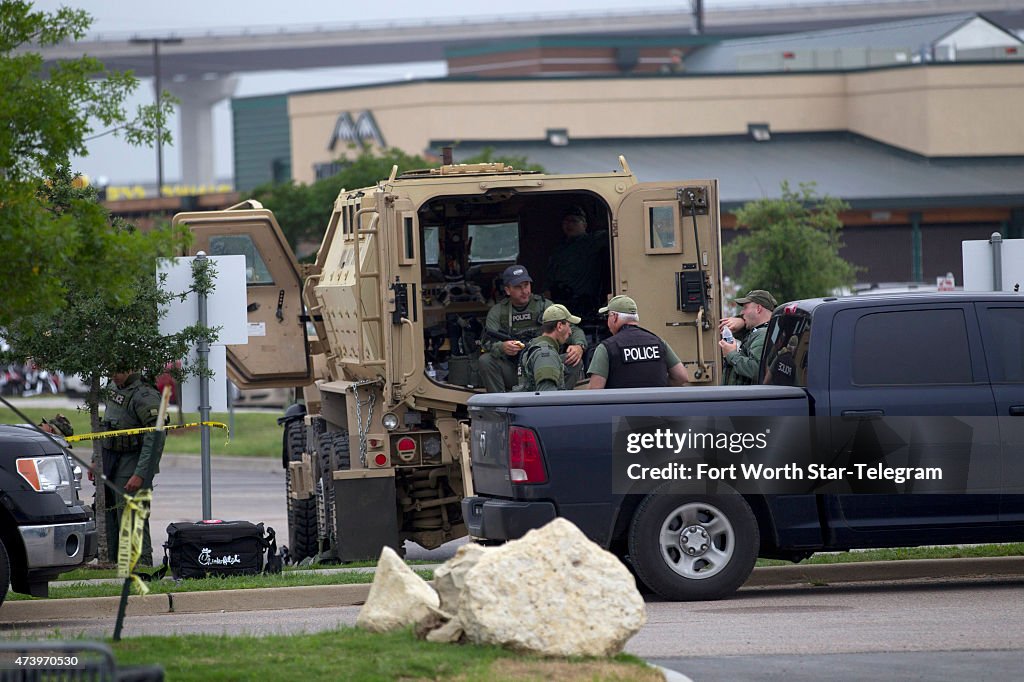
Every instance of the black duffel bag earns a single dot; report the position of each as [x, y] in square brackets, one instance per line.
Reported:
[220, 548]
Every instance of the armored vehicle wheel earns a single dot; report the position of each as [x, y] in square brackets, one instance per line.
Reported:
[5, 572]
[301, 513]
[693, 547]
[333, 455]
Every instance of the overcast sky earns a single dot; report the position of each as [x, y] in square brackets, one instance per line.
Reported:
[120, 164]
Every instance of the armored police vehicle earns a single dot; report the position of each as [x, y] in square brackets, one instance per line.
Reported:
[382, 335]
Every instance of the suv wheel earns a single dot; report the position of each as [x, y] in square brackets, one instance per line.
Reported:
[693, 547]
[5, 572]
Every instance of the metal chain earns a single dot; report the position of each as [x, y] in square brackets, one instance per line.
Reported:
[361, 427]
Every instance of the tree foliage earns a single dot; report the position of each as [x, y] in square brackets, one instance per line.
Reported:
[791, 247]
[48, 113]
[304, 210]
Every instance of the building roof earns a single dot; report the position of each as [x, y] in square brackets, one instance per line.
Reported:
[911, 36]
[865, 173]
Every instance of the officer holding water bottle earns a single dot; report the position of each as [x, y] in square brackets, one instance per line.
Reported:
[742, 358]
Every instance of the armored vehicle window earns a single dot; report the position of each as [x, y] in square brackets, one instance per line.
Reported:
[662, 228]
[1004, 339]
[256, 271]
[499, 242]
[911, 347]
[431, 251]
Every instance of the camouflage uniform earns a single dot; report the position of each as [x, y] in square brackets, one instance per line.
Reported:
[131, 406]
[741, 365]
[499, 371]
[542, 367]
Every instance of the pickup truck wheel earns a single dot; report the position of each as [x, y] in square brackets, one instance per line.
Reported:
[5, 572]
[693, 547]
[301, 513]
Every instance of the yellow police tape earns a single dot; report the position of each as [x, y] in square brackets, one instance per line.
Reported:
[129, 545]
[132, 432]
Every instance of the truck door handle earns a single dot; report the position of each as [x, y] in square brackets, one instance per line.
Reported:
[863, 414]
[1017, 410]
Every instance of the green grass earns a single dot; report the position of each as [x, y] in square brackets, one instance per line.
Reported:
[93, 573]
[903, 553]
[256, 434]
[352, 654]
[245, 582]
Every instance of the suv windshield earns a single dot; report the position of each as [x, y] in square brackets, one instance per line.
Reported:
[784, 362]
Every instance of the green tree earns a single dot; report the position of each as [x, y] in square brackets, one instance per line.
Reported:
[303, 211]
[49, 112]
[791, 246]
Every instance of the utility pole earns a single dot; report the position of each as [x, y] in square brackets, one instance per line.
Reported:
[156, 43]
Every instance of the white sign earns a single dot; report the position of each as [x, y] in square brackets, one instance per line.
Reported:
[218, 382]
[257, 329]
[225, 306]
[978, 274]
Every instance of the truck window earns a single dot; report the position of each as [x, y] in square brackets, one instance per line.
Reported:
[1004, 344]
[256, 271]
[914, 347]
[784, 362]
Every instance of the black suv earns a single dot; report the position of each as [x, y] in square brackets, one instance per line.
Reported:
[45, 530]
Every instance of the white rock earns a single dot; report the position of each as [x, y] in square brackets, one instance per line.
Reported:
[552, 592]
[450, 578]
[449, 632]
[398, 597]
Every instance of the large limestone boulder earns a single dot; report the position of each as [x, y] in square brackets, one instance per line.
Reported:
[553, 592]
[398, 597]
[450, 578]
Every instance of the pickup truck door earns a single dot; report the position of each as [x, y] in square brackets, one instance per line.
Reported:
[1002, 326]
[666, 244]
[277, 353]
[922, 370]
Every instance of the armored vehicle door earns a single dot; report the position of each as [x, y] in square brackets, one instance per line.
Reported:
[277, 352]
[403, 297]
[667, 255]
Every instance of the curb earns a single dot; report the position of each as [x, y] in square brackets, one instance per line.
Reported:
[316, 596]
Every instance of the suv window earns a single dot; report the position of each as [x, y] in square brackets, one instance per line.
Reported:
[1004, 344]
[911, 347]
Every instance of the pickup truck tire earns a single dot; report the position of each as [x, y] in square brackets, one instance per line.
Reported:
[693, 547]
[5, 572]
[301, 513]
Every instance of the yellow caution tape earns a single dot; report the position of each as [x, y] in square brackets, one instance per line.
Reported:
[145, 429]
[129, 545]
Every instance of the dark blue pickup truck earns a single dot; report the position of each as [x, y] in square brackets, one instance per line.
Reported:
[952, 359]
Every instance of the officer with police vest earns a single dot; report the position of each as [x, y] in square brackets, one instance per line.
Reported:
[131, 461]
[633, 357]
[518, 320]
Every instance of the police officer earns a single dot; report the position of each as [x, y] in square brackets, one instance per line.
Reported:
[577, 273]
[743, 360]
[519, 317]
[131, 461]
[542, 367]
[58, 426]
[633, 357]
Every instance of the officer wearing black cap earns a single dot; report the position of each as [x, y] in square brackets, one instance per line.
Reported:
[511, 324]
[742, 360]
[578, 272]
[633, 357]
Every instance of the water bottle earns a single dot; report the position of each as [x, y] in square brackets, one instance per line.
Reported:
[431, 372]
[727, 335]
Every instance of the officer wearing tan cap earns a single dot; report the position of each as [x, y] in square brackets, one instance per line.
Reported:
[743, 360]
[633, 357]
[540, 364]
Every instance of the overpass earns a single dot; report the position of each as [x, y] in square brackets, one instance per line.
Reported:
[200, 69]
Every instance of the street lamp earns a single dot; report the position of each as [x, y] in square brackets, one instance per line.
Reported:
[156, 43]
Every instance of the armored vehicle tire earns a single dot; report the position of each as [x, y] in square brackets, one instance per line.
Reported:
[693, 547]
[5, 572]
[301, 513]
[333, 454]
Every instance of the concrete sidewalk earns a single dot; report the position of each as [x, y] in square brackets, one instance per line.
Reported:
[348, 595]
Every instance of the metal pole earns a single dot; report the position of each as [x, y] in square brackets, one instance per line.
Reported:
[996, 240]
[159, 128]
[203, 351]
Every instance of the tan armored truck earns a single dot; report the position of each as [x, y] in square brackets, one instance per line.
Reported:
[382, 336]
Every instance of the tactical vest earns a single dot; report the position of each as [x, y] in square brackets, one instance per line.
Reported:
[523, 324]
[636, 359]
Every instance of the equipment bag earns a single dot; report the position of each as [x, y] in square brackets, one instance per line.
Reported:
[219, 548]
